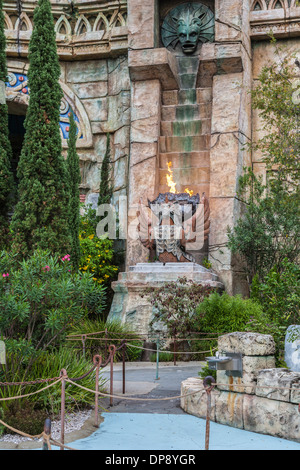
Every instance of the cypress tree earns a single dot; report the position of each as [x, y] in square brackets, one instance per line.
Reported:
[6, 176]
[74, 196]
[41, 216]
[106, 190]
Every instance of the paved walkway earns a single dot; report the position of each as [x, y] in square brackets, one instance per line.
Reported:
[163, 425]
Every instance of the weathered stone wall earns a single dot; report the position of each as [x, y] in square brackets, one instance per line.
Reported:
[103, 88]
[263, 400]
[98, 91]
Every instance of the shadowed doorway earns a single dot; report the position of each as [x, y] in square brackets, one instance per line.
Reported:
[16, 137]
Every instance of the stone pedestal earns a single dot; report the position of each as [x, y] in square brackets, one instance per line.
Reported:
[129, 303]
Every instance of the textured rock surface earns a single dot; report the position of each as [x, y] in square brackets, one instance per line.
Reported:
[264, 400]
[249, 344]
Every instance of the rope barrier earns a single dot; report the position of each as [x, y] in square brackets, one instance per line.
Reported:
[32, 393]
[132, 397]
[171, 352]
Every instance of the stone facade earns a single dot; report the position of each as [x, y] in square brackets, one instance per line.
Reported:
[264, 400]
[158, 107]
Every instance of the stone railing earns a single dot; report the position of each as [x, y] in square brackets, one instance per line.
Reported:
[264, 400]
[88, 28]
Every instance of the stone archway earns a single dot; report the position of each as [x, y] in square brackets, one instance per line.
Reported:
[18, 95]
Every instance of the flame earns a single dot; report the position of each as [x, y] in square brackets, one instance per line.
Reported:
[172, 184]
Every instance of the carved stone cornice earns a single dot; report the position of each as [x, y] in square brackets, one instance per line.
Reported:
[86, 29]
[282, 22]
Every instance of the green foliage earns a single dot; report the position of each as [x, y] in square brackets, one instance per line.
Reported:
[25, 418]
[74, 178]
[6, 176]
[40, 298]
[40, 218]
[48, 365]
[223, 313]
[269, 230]
[207, 372]
[175, 303]
[96, 253]
[276, 98]
[106, 190]
[116, 331]
[279, 294]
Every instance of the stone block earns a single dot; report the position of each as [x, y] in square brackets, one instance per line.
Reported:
[196, 403]
[273, 417]
[141, 24]
[276, 384]
[226, 102]
[118, 75]
[90, 90]
[170, 97]
[93, 71]
[247, 383]
[96, 109]
[247, 343]
[229, 409]
[159, 64]
[292, 347]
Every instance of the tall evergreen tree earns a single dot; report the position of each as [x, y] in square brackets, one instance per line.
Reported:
[74, 201]
[106, 190]
[6, 176]
[41, 216]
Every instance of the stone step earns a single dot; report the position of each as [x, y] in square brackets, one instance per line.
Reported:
[174, 97]
[187, 112]
[183, 176]
[185, 160]
[163, 276]
[187, 96]
[184, 144]
[185, 128]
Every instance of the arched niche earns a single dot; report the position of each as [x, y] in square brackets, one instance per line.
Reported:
[18, 95]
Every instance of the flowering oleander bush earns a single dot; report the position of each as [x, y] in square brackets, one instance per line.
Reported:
[40, 298]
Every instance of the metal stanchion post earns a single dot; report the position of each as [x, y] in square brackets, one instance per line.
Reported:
[64, 375]
[208, 390]
[157, 358]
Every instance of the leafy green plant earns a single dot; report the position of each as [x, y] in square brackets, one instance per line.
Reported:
[278, 293]
[269, 229]
[175, 303]
[97, 254]
[48, 365]
[222, 313]
[116, 331]
[40, 298]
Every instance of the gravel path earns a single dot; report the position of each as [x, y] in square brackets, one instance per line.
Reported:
[73, 422]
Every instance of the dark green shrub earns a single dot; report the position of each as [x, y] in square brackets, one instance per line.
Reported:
[221, 314]
[24, 417]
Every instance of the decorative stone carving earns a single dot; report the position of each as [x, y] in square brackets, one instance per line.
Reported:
[187, 25]
[17, 91]
[175, 221]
